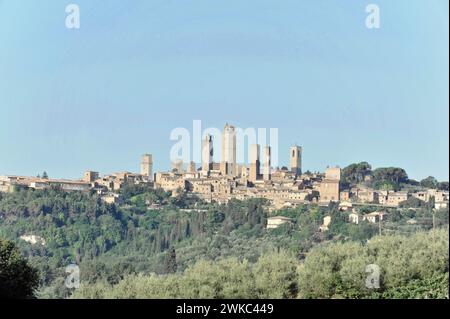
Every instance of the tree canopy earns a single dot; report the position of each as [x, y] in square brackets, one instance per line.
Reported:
[18, 279]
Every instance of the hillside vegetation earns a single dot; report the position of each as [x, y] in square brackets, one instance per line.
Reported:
[153, 237]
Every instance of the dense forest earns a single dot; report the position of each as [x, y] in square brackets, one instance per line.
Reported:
[155, 240]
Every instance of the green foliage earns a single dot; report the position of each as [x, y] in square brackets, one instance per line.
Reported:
[429, 182]
[128, 250]
[401, 260]
[272, 276]
[276, 276]
[443, 186]
[356, 173]
[17, 278]
[410, 267]
[170, 264]
[389, 177]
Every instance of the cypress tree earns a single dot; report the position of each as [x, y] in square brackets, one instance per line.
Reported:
[170, 265]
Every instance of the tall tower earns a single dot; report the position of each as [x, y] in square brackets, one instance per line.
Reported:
[254, 162]
[296, 160]
[177, 165]
[192, 168]
[266, 163]
[207, 153]
[147, 166]
[228, 164]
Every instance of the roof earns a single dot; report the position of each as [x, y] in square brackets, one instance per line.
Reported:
[280, 217]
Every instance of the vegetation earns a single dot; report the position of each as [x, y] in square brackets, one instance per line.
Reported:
[386, 178]
[17, 278]
[158, 245]
[409, 267]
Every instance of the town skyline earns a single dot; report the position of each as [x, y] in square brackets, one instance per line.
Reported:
[167, 164]
[161, 164]
[229, 178]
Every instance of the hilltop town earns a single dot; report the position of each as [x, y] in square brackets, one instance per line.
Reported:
[221, 182]
[118, 225]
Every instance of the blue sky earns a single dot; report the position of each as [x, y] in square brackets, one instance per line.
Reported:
[99, 97]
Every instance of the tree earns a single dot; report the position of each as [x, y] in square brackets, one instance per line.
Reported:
[443, 186]
[170, 264]
[18, 280]
[393, 176]
[221, 279]
[339, 270]
[356, 173]
[429, 182]
[276, 276]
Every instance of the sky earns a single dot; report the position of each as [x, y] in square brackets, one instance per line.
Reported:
[98, 97]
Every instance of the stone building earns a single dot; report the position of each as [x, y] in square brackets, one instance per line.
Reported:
[254, 163]
[228, 163]
[147, 166]
[296, 160]
[266, 170]
[207, 154]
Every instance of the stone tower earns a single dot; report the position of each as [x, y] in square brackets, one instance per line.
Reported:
[266, 163]
[147, 166]
[207, 153]
[296, 160]
[228, 163]
[254, 162]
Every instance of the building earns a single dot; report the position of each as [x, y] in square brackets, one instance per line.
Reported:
[296, 160]
[169, 181]
[365, 195]
[344, 195]
[207, 154]
[438, 195]
[254, 163]
[177, 165]
[111, 198]
[266, 163]
[345, 205]
[147, 166]
[277, 221]
[90, 176]
[329, 190]
[333, 173]
[8, 183]
[228, 163]
[192, 169]
[326, 224]
[395, 198]
[440, 205]
[374, 217]
[354, 217]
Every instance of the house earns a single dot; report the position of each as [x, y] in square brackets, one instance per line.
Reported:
[374, 217]
[395, 198]
[440, 205]
[346, 205]
[277, 221]
[111, 198]
[326, 223]
[354, 217]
